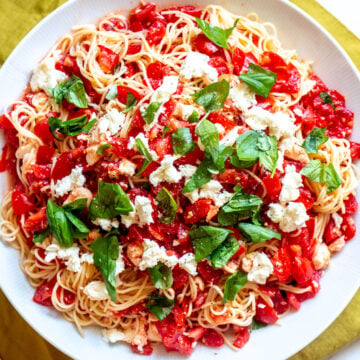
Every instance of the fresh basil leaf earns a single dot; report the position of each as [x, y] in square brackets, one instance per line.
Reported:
[59, 224]
[109, 202]
[314, 140]
[39, 237]
[224, 252]
[259, 79]
[165, 131]
[77, 206]
[148, 114]
[234, 160]
[234, 283]
[201, 177]
[79, 230]
[161, 276]
[106, 252]
[182, 141]
[256, 325]
[103, 148]
[268, 158]
[316, 171]
[247, 148]
[72, 90]
[112, 93]
[86, 129]
[131, 101]
[144, 151]
[209, 137]
[327, 99]
[168, 204]
[160, 306]
[213, 96]
[224, 154]
[194, 117]
[206, 239]
[216, 34]
[257, 234]
[240, 206]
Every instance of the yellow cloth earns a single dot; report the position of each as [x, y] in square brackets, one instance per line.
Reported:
[18, 341]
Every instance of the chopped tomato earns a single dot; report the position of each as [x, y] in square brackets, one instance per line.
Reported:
[45, 154]
[282, 265]
[162, 146]
[20, 202]
[273, 187]
[143, 350]
[123, 92]
[331, 232]
[265, 313]
[212, 338]
[5, 123]
[293, 301]
[302, 269]
[351, 205]
[107, 59]
[42, 130]
[306, 198]
[205, 46]
[37, 222]
[354, 150]
[43, 293]
[348, 227]
[242, 61]
[219, 63]
[63, 166]
[197, 211]
[156, 32]
[243, 336]
[233, 177]
[187, 9]
[180, 277]
[208, 273]
[156, 72]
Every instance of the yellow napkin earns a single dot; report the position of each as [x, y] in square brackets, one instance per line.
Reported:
[18, 341]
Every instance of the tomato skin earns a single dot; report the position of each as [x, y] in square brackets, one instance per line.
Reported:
[282, 264]
[348, 227]
[205, 46]
[156, 32]
[305, 198]
[187, 9]
[219, 63]
[243, 336]
[293, 301]
[331, 232]
[354, 150]
[197, 211]
[42, 295]
[63, 166]
[162, 146]
[302, 269]
[107, 59]
[273, 187]
[20, 202]
[212, 339]
[208, 273]
[45, 154]
[156, 72]
[233, 177]
[265, 313]
[122, 93]
[181, 278]
[351, 205]
[146, 349]
[37, 222]
[42, 130]
[242, 61]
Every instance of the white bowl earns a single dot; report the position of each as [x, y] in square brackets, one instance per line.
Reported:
[340, 282]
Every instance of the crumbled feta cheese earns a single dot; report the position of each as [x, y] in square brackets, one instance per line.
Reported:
[220, 129]
[106, 224]
[338, 220]
[196, 65]
[186, 110]
[46, 77]
[145, 141]
[212, 190]
[87, 258]
[168, 87]
[142, 213]
[261, 269]
[153, 253]
[70, 182]
[70, 255]
[187, 170]
[291, 182]
[167, 172]
[188, 263]
[321, 257]
[230, 138]
[96, 290]
[243, 97]
[120, 264]
[131, 144]
[293, 217]
[127, 167]
[306, 86]
[113, 335]
[111, 123]
[257, 118]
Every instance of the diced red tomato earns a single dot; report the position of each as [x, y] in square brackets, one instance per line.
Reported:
[156, 32]
[242, 61]
[179, 315]
[113, 24]
[63, 166]
[272, 186]
[212, 338]
[208, 273]
[20, 202]
[302, 269]
[180, 277]
[348, 227]
[162, 146]
[5, 123]
[233, 177]
[143, 16]
[351, 205]
[306, 198]
[45, 154]
[43, 293]
[143, 350]
[265, 313]
[293, 301]
[123, 91]
[187, 9]
[205, 46]
[354, 150]
[107, 59]
[156, 72]
[331, 232]
[219, 63]
[42, 130]
[197, 211]
[37, 222]
[282, 264]
[243, 336]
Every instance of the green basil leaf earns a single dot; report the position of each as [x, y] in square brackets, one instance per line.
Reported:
[194, 117]
[234, 283]
[327, 99]
[224, 154]
[256, 325]
[72, 90]
[106, 252]
[160, 306]
[247, 148]
[182, 141]
[80, 230]
[268, 158]
[314, 140]
[257, 234]
[131, 101]
[316, 171]
[224, 252]
[240, 206]
[77, 206]
[86, 129]
[112, 93]
[39, 237]
[148, 114]
[109, 202]
[103, 148]
[216, 34]
[206, 239]
[259, 79]
[209, 137]
[161, 276]
[213, 96]
[165, 131]
[59, 224]
[168, 204]
[144, 151]
[234, 160]
[201, 177]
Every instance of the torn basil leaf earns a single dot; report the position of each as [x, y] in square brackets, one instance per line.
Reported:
[224, 252]
[160, 306]
[234, 283]
[327, 99]
[144, 151]
[314, 140]
[168, 205]
[39, 237]
[102, 148]
[131, 101]
[194, 117]
[201, 177]
[182, 141]
[148, 114]
[161, 276]
[257, 233]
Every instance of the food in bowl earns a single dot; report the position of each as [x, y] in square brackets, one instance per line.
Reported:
[177, 177]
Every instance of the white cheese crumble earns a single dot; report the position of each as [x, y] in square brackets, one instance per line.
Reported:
[46, 77]
[261, 269]
[306, 86]
[186, 110]
[167, 172]
[153, 253]
[111, 123]
[70, 182]
[321, 257]
[290, 217]
[113, 335]
[127, 167]
[220, 129]
[120, 264]
[338, 220]
[142, 213]
[188, 263]
[291, 182]
[196, 65]
[168, 87]
[230, 138]
[187, 170]
[145, 141]
[242, 96]
[87, 258]
[212, 190]
[106, 224]
[96, 290]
